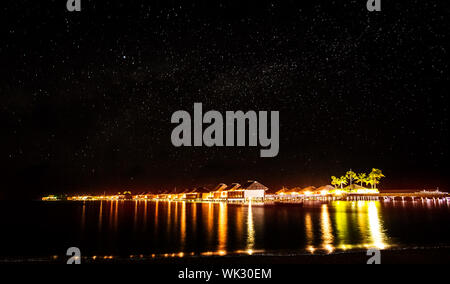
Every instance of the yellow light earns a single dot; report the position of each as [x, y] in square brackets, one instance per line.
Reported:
[329, 248]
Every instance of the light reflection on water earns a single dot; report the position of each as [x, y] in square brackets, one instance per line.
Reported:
[250, 230]
[326, 229]
[183, 228]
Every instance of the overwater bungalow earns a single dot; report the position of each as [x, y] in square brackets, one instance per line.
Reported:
[282, 191]
[163, 195]
[324, 190]
[198, 194]
[234, 191]
[181, 195]
[220, 192]
[250, 191]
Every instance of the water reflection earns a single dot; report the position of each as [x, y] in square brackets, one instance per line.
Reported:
[209, 221]
[183, 225]
[219, 228]
[368, 223]
[156, 215]
[223, 228]
[342, 230]
[83, 217]
[194, 217]
[169, 217]
[111, 208]
[135, 216]
[100, 217]
[327, 230]
[309, 233]
[250, 230]
[116, 216]
[377, 235]
[145, 215]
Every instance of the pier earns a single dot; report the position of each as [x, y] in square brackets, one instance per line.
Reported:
[412, 196]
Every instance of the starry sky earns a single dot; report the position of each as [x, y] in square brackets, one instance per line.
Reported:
[86, 98]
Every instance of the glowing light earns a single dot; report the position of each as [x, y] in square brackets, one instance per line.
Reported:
[222, 226]
[329, 248]
[50, 198]
[375, 227]
[250, 229]
[183, 224]
[327, 231]
[309, 229]
[367, 191]
[342, 229]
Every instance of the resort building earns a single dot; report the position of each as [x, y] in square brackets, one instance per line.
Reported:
[324, 190]
[197, 194]
[232, 190]
[220, 192]
[250, 191]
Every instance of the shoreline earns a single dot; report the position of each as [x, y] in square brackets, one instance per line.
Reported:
[411, 255]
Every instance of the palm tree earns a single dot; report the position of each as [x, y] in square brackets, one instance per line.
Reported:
[361, 178]
[342, 181]
[334, 181]
[351, 176]
[375, 176]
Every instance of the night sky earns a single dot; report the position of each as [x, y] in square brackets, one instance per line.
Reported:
[86, 98]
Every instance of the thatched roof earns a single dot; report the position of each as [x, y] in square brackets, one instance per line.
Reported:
[309, 188]
[220, 187]
[283, 190]
[233, 186]
[254, 185]
[355, 187]
[325, 188]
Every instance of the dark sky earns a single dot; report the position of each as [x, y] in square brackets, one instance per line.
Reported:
[86, 98]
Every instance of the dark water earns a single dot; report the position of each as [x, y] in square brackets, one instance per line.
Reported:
[131, 228]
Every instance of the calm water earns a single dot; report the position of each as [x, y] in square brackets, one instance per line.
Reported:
[147, 228]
